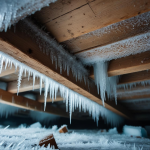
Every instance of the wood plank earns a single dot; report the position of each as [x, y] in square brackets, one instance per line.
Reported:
[8, 71]
[135, 77]
[59, 8]
[26, 85]
[25, 103]
[42, 63]
[129, 64]
[40, 98]
[93, 16]
[110, 34]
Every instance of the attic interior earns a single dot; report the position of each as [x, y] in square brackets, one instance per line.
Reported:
[78, 65]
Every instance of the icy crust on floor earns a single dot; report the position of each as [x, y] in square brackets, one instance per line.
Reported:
[72, 99]
[58, 55]
[28, 138]
[11, 11]
[134, 131]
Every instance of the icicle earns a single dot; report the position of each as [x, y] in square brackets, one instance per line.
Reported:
[70, 96]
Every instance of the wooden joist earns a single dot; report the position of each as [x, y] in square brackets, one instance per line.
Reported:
[8, 71]
[25, 103]
[135, 77]
[91, 16]
[42, 63]
[26, 85]
[40, 98]
[110, 34]
[129, 64]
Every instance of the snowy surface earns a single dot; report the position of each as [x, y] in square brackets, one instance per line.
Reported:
[12, 11]
[134, 131]
[28, 138]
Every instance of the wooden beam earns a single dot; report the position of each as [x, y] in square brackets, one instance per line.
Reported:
[40, 99]
[26, 85]
[25, 103]
[58, 9]
[8, 71]
[129, 64]
[42, 63]
[110, 34]
[93, 16]
[134, 77]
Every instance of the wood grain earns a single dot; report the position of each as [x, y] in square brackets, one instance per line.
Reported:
[93, 16]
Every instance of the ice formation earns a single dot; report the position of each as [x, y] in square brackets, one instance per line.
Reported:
[28, 138]
[104, 83]
[133, 84]
[11, 11]
[73, 99]
[134, 131]
[6, 110]
[63, 59]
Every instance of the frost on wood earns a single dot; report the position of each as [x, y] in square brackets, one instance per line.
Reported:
[62, 59]
[73, 99]
[11, 11]
[104, 83]
[123, 48]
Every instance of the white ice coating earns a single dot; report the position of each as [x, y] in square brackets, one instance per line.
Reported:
[73, 99]
[58, 55]
[104, 83]
[11, 11]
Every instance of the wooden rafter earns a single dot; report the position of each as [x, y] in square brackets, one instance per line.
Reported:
[90, 16]
[25, 103]
[129, 64]
[40, 98]
[42, 63]
[8, 71]
[26, 85]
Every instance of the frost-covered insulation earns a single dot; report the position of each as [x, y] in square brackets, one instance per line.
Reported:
[63, 59]
[123, 48]
[73, 99]
[104, 83]
[11, 11]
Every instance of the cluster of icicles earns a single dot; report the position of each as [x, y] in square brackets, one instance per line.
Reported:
[58, 55]
[12, 11]
[105, 85]
[73, 99]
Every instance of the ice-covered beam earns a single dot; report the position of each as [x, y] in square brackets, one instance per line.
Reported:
[24, 49]
[25, 103]
[129, 64]
[26, 85]
[40, 98]
[91, 16]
